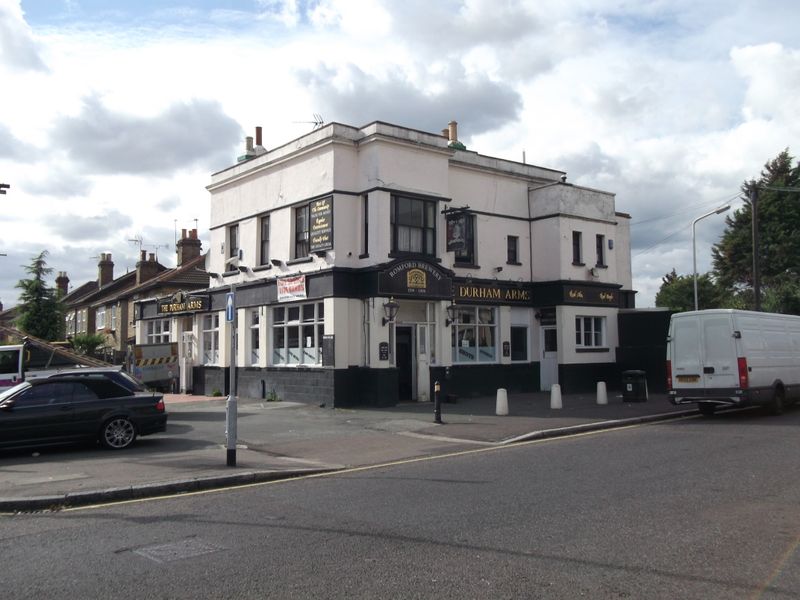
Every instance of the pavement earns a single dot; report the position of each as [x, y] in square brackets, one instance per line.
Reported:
[280, 440]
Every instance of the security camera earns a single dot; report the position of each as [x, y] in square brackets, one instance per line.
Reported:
[563, 179]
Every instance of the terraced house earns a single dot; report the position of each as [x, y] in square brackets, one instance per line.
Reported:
[369, 262]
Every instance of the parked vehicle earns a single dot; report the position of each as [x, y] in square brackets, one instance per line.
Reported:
[12, 360]
[115, 374]
[733, 358]
[67, 409]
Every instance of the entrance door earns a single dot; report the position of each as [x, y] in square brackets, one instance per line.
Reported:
[548, 367]
[404, 352]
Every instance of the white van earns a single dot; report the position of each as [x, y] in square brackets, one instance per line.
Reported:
[725, 357]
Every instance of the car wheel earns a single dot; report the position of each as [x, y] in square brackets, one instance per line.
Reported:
[118, 433]
[707, 409]
[778, 402]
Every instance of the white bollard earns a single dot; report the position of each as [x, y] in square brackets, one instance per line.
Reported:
[502, 402]
[602, 395]
[555, 396]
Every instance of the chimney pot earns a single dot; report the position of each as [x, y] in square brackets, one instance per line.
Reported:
[452, 127]
[248, 143]
[258, 136]
[183, 234]
[446, 133]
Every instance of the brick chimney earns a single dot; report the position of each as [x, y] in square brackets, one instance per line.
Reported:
[62, 283]
[188, 247]
[105, 269]
[146, 268]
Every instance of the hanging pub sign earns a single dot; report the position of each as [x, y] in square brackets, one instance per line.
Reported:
[456, 231]
[321, 225]
[181, 302]
[291, 288]
[415, 278]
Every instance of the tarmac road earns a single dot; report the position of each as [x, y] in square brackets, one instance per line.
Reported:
[280, 440]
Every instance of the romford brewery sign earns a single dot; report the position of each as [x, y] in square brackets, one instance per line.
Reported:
[415, 278]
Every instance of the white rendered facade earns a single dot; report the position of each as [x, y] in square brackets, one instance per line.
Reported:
[392, 200]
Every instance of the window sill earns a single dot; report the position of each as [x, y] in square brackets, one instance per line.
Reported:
[266, 267]
[418, 255]
[601, 266]
[589, 350]
[298, 261]
[517, 264]
[466, 266]
[578, 264]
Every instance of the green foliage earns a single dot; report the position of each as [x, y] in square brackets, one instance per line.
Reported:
[677, 292]
[41, 313]
[779, 243]
[88, 343]
[272, 396]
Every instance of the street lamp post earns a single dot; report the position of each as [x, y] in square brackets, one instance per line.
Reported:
[721, 209]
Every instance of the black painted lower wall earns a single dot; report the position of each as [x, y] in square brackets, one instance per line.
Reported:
[484, 380]
[332, 388]
[583, 378]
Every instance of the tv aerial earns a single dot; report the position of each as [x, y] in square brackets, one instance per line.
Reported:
[317, 122]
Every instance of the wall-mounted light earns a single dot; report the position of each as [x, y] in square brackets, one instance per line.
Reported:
[276, 261]
[390, 311]
[498, 269]
[452, 314]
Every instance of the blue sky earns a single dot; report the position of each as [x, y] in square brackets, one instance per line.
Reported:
[118, 112]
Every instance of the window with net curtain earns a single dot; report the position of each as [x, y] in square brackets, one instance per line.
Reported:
[413, 225]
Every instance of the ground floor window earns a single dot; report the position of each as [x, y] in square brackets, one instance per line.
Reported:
[210, 335]
[297, 334]
[590, 332]
[254, 333]
[157, 332]
[474, 335]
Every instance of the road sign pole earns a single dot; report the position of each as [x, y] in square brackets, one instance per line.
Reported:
[231, 407]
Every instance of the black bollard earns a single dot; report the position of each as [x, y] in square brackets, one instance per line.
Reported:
[437, 404]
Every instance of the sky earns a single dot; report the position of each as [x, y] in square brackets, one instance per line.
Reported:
[114, 114]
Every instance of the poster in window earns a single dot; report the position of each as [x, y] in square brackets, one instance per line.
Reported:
[456, 232]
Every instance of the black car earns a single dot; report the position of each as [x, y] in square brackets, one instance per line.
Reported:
[116, 374]
[69, 409]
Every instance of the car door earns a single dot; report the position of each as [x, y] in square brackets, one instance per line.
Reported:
[39, 414]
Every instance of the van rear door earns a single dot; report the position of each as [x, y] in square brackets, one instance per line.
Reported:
[720, 369]
[685, 346]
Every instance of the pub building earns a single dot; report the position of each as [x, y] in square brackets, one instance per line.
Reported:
[359, 265]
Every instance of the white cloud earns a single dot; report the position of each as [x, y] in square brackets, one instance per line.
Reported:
[671, 105]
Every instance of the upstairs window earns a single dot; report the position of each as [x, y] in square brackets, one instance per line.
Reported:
[601, 253]
[100, 318]
[577, 252]
[233, 241]
[263, 240]
[301, 231]
[413, 225]
[512, 250]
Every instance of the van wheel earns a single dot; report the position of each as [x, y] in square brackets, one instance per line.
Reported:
[778, 402]
[706, 408]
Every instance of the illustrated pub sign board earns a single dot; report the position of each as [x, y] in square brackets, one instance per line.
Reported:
[321, 225]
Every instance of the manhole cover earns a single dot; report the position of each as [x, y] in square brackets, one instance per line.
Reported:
[177, 550]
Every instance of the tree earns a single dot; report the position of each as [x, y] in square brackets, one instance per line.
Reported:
[88, 343]
[677, 292]
[41, 313]
[779, 233]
